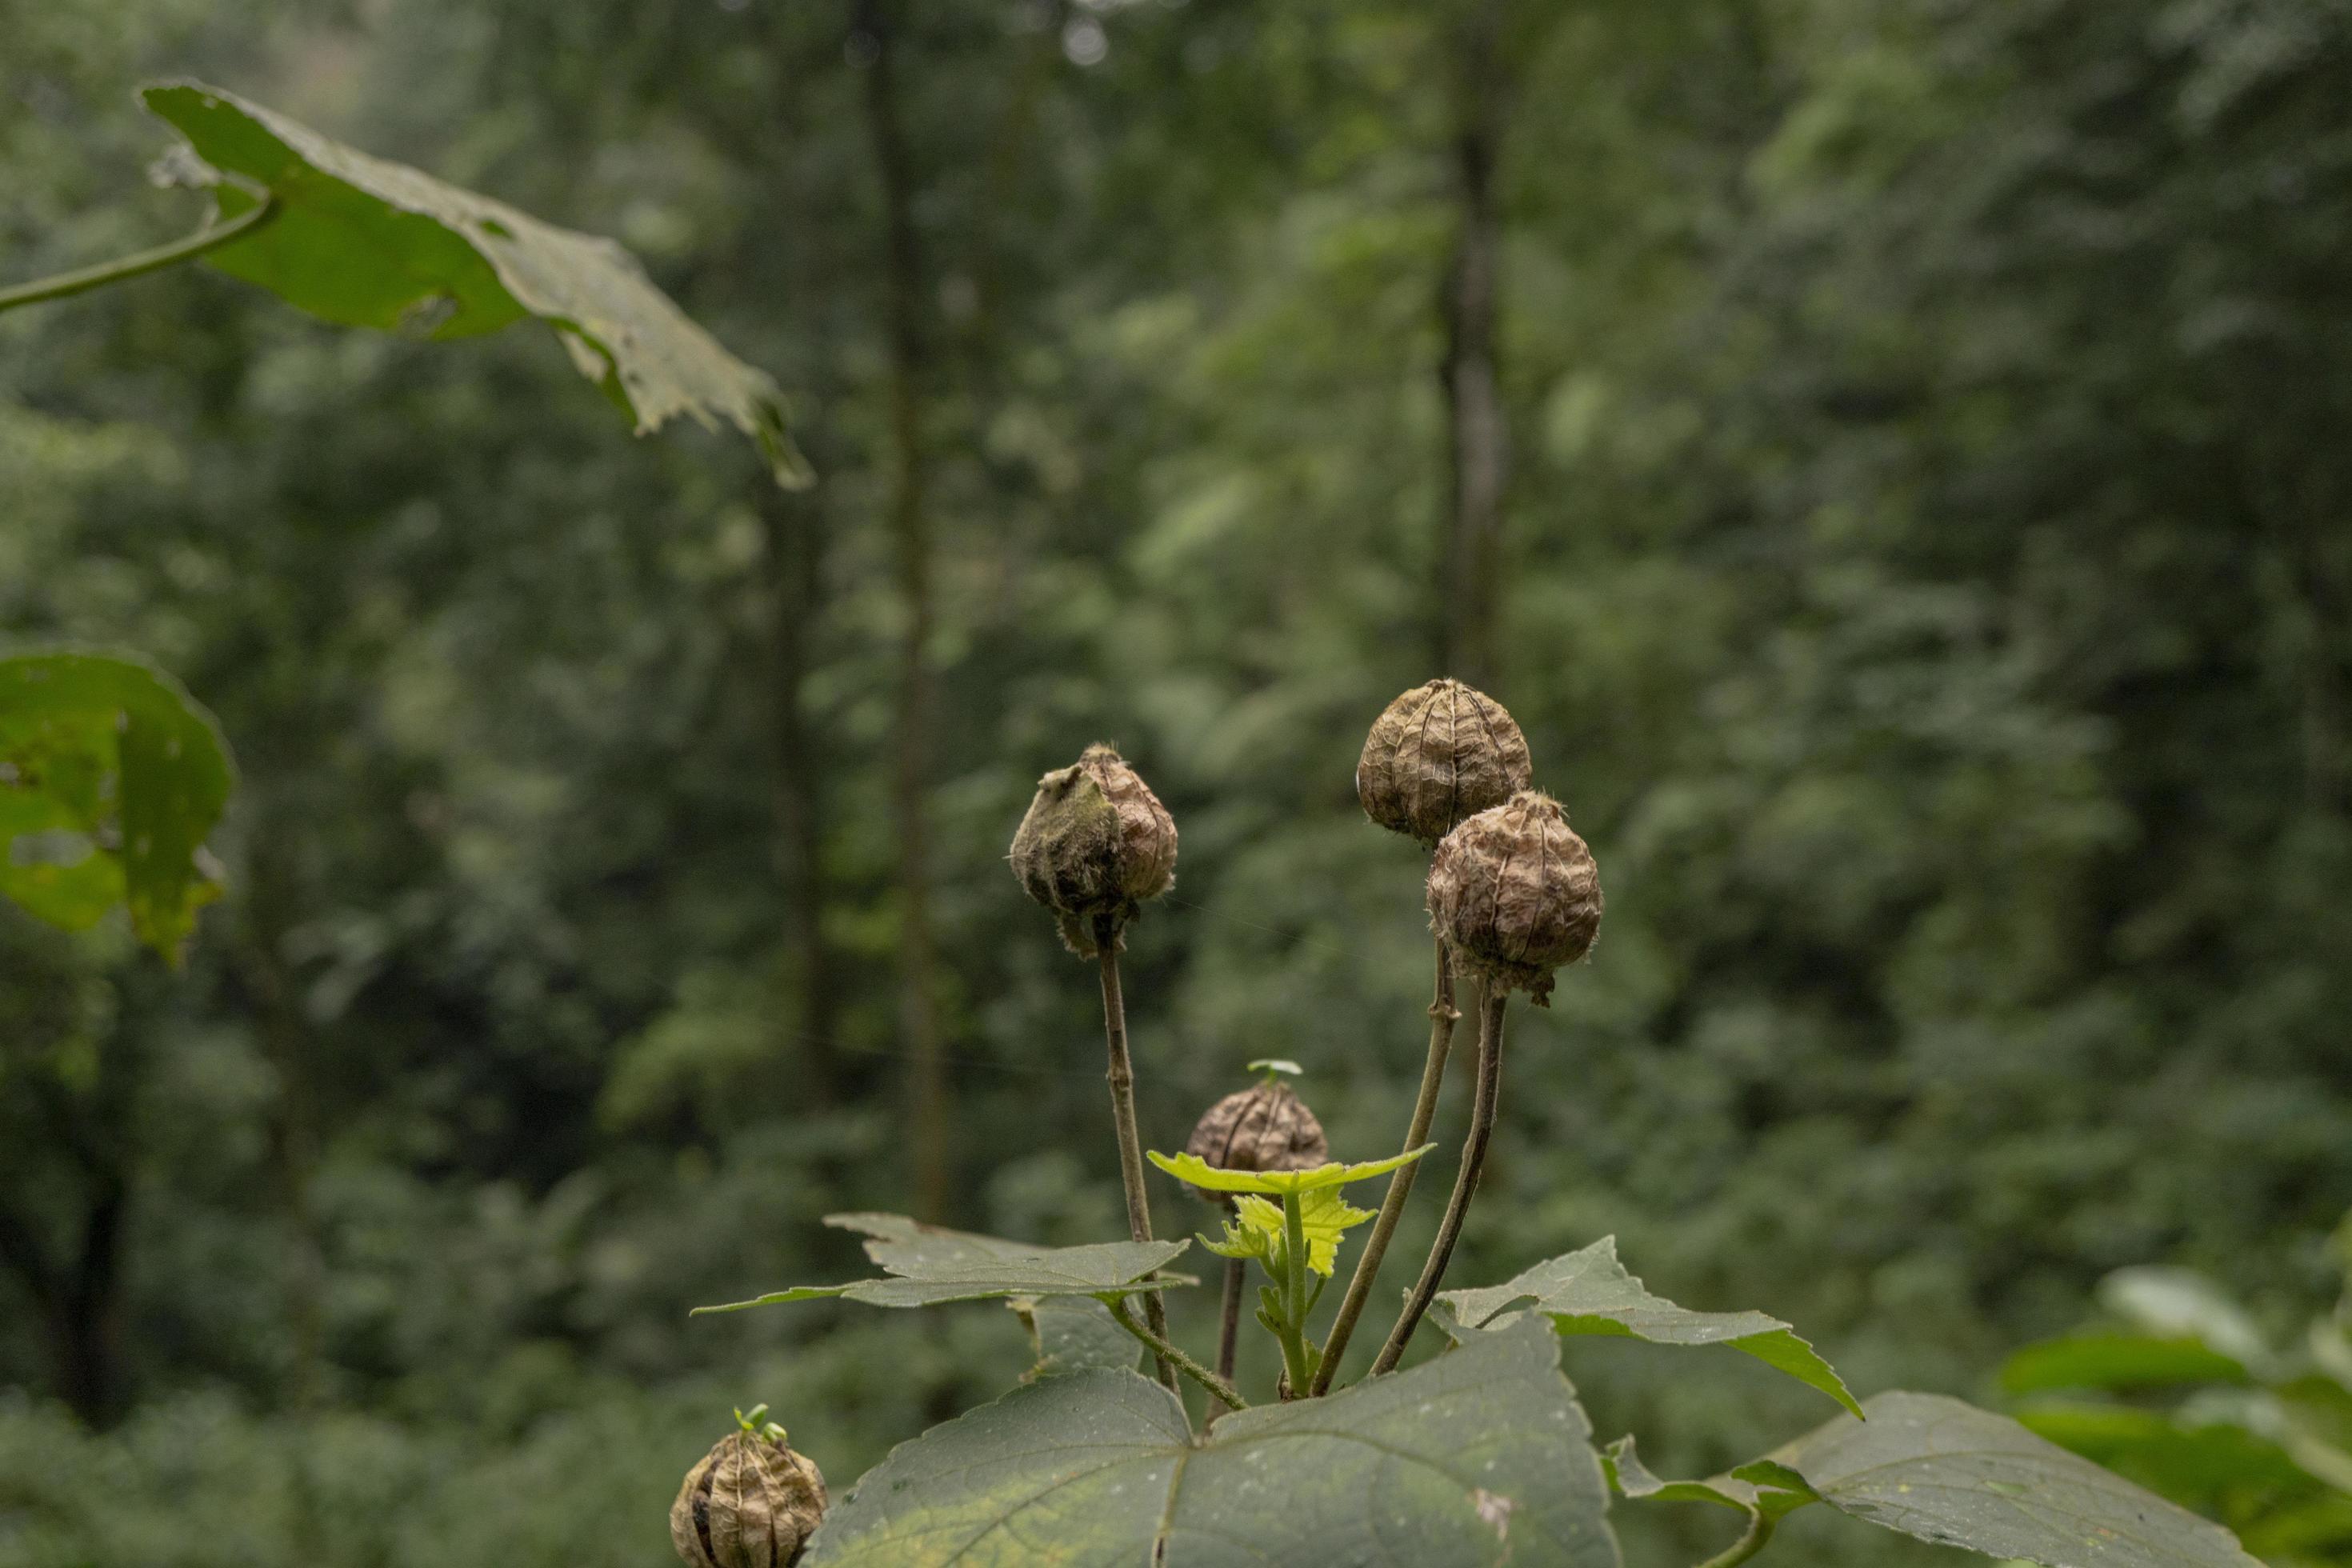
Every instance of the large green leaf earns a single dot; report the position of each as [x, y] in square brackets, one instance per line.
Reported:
[1949, 1473]
[1479, 1457]
[110, 776]
[1589, 1292]
[929, 1266]
[365, 242]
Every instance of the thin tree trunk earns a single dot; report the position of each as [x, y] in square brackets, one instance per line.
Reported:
[794, 533]
[1478, 435]
[919, 1024]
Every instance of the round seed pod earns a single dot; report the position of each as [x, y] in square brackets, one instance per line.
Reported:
[1263, 1128]
[1515, 894]
[1095, 844]
[1440, 755]
[752, 1502]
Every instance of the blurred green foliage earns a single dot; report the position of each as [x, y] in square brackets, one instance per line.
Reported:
[1927, 584]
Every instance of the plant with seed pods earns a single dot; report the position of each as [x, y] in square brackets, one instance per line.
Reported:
[1480, 1453]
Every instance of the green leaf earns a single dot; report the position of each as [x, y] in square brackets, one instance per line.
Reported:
[1257, 1229]
[2179, 1458]
[365, 242]
[930, 1265]
[1477, 1457]
[2118, 1361]
[1073, 1333]
[1765, 1487]
[1589, 1292]
[1949, 1473]
[110, 776]
[1199, 1172]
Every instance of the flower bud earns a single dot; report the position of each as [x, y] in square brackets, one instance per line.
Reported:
[1262, 1128]
[1515, 894]
[751, 1503]
[1095, 843]
[1440, 755]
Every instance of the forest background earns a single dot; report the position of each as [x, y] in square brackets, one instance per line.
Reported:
[1890, 455]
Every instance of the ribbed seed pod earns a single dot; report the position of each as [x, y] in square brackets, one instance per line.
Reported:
[1263, 1128]
[751, 1503]
[1095, 844]
[1515, 893]
[1440, 755]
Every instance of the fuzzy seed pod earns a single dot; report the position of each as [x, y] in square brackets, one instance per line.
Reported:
[751, 1503]
[1262, 1128]
[1515, 894]
[1438, 755]
[1095, 844]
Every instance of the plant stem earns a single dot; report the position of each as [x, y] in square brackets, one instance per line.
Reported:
[1122, 1112]
[1759, 1532]
[1465, 1182]
[211, 237]
[1229, 1325]
[1441, 1018]
[1298, 1359]
[1218, 1387]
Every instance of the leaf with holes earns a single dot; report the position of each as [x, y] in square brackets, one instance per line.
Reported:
[1949, 1473]
[1589, 1292]
[111, 777]
[1475, 1459]
[927, 1266]
[366, 242]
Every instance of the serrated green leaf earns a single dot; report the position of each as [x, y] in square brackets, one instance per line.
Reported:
[1199, 1172]
[930, 1266]
[111, 777]
[366, 242]
[1475, 1459]
[1073, 1333]
[1951, 1474]
[2118, 1361]
[1590, 1292]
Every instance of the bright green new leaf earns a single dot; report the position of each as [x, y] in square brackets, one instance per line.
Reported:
[1949, 1473]
[929, 1266]
[1199, 1172]
[365, 242]
[1256, 1229]
[110, 776]
[1475, 1459]
[1589, 1292]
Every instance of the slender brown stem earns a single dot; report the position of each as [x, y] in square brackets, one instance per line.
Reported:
[211, 237]
[1442, 1015]
[1466, 1182]
[1219, 1388]
[1122, 1112]
[1229, 1326]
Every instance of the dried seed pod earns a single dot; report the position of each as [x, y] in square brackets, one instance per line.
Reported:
[1440, 755]
[751, 1503]
[1515, 893]
[1095, 844]
[1262, 1128]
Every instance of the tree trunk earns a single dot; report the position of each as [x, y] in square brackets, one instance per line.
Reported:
[919, 1025]
[80, 1306]
[794, 533]
[1478, 435]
